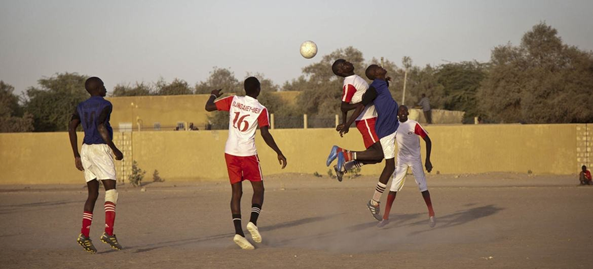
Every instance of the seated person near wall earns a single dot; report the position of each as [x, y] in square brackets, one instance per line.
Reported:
[585, 176]
[192, 127]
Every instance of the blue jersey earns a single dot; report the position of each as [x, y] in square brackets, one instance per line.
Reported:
[386, 108]
[92, 112]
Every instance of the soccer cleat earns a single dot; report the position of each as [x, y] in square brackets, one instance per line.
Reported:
[432, 221]
[242, 242]
[86, 243]
[375, 210]
[333, 154]
[111, 240]
[254, 231]
[341, 161]
[339, 174]
[383, 223]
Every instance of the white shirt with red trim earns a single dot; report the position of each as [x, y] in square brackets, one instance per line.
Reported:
[245, 115]
[352, 91]
[408, 141]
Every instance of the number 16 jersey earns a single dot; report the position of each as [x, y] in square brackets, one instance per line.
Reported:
[244, 113]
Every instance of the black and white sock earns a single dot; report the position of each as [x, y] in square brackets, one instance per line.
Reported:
[378, 192]
[237, 223]
[255, 210]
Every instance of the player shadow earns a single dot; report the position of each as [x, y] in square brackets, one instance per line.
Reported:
[150, 247]
[460, 217]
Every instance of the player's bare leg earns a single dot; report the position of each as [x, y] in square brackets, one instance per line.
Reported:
[84, 239]
[111, 197]
[239, 239]
[431, 219]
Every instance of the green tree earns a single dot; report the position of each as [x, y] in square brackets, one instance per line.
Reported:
[54, 102]
[461, 82]
[176, 87]
[540, 81]
[12, 116]
[220, 78]
[139, 89]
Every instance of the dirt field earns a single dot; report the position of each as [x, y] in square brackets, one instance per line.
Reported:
[488, 220]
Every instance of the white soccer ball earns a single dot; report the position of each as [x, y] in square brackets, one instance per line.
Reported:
[308, 49]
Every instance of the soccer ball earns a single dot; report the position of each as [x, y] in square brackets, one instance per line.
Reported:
[308, 49]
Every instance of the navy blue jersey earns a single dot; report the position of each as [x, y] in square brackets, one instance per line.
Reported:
[91, 113]
[386, 108]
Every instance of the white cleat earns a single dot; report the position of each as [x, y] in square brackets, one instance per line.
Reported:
[432, 222]
[254, 232]
[242, 242]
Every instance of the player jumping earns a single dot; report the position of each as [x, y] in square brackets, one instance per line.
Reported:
[95, 160]
[409, 156]
[245, 114]
[386, 126]
[353, 89]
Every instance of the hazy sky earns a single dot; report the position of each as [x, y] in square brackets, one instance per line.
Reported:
[129, 41]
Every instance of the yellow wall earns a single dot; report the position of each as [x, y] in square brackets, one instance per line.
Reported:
[44, 158]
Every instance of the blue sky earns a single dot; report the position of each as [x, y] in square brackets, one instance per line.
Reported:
[129, 41]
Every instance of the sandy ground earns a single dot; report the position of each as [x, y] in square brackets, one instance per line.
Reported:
[484, 221]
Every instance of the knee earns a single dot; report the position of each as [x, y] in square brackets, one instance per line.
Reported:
[93, 195]
[237, 193]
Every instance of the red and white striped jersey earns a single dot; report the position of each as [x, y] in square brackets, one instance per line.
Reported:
[353, 89]
[408, 141]
[245, 115]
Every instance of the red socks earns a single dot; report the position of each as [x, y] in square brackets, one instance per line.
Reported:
[347, 154]
[109, 217]
[87, 219]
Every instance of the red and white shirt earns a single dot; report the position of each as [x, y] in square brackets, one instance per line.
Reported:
[353, 89]
[407, 139]
[245, 115]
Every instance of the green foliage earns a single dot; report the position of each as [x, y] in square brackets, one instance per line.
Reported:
[137, 175]
[156, 177]
[317, 174]
[139, 89]
[461, 82]
[12, 116]
[220, 78]
[54, 102]
[330, 173]
[540, 81]
[176, 87]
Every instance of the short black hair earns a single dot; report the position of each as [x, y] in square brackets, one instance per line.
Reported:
[93, 84]
[251, 85]
[337, 64]
[370, 72]
[584, 167]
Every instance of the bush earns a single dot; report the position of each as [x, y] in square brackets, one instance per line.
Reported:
[137, 175]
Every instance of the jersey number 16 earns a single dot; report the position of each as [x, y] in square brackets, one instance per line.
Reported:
[240, 123]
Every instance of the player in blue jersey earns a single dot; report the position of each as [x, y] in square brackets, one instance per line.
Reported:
[95, 159]
[385, 127]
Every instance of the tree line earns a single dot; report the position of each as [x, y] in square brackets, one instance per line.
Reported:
[541, 80]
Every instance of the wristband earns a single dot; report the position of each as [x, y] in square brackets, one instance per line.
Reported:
[214, 96]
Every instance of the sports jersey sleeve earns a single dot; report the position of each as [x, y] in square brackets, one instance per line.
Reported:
[348, 92]
[75, 115]
[420, 131]
[588, 175]
[224, 104]
[263, 119]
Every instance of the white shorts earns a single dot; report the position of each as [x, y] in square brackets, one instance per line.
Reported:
[97, 162]
[388, 145]
[399, 176]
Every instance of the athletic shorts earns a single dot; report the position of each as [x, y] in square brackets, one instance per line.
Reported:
[367, 130]
[243, 168]
[97, 162]
[401, 168]
[388, 145]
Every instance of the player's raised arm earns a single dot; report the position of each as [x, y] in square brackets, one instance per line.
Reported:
[210, 105]
[105, 133]
[265, 133]
[74, 122]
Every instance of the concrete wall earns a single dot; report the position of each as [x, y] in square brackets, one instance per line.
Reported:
[44, 158]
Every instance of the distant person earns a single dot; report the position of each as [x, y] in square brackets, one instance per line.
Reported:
[208, 125]
[246, 114]
[585, 176]
[192, 127]
[425, 104]
[409, 155]
[95, 160]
